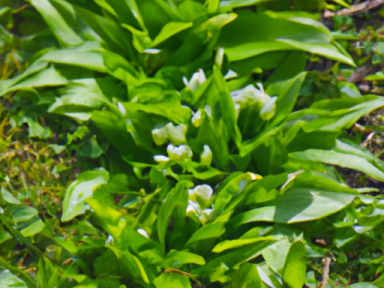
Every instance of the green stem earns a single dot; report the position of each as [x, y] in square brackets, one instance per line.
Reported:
[22, 274]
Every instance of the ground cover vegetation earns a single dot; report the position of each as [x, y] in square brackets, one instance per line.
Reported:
[181, 143]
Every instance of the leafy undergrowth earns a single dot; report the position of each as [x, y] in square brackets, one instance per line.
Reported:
[182, 144]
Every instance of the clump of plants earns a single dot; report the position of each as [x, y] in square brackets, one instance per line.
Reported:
[202, 165]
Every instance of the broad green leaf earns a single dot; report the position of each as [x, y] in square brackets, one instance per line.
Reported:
[231, 244]
[167, 105]
[177, 198]
[170, 29]
[132, 266]
[33, 229]
[247, 277]
[234, 184]
[350, 148]
[211, 230]
[363, 285]
[295, 265]
[46, 78]
[125, 11]
[297, 205]
[278, 34]
[24, 213]
[34, 68]
[84, 96]
[240, 3]
[47, 275]
[114, 36]
[172, 281]
[56, 23]
[120, 68]
[233, 258]
[115, 130]
[138, 240]
[88, 56]
[345, 116]
[80, 190]
[287, 91]
[176, 259]
[340, 159]
[276, 255]
[8, 197]
[7, 280]
[103, 208]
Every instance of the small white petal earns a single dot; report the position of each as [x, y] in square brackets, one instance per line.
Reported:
[208, 109]
[160, 158]
[204, 191]
[206, 156]
[152, 51]
[230, 75]
[202, 77]
[197, 119]
[121, 108]
[143, 232]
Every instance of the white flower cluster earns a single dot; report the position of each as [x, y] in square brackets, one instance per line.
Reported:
[252, 95]
[196, 81]
[182, 152]
[169, 132]
[199, 200]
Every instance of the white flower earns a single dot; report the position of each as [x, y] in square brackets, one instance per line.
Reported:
[143, 232]
[206, 156]
[175, 134]
[109, 240]
[204, 191]
[237, 109]
[230, 75]
[269, 109]
[179, 153]
[208, 110]
[121, 109]
[160, 158]
[196, 81]
[197, 119]
[251, 95]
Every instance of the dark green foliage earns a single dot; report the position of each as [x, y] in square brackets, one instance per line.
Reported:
[192, 174]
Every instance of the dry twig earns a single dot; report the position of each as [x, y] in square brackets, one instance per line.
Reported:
[355, 8]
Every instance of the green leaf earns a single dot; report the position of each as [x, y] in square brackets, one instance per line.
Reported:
[89, 56]
[231, 244]
[177, 198]
[278, 34]
[172, 281]
[247, 277]
[297, 205]
[7, 279]
[170, 29]
[340, 159]
[211, 230]
[343, 114]
[33, 229]
[8, 197]
[47, 275]
[295, 265]
[46, 78]
[233, 258]
[240, 3]
[56, 23]
[79, 190]
[176, 259]
[24, 213]
[276, 255]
